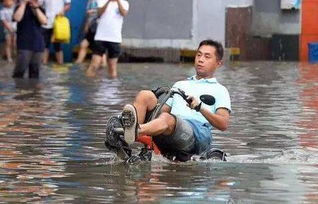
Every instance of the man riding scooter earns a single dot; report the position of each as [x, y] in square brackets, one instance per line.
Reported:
[184, 126]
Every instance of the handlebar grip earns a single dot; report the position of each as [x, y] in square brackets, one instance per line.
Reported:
[189, 101]
[184, 96]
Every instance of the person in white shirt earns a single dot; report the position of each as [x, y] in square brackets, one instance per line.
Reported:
[10, 27]
[52, 9]
[108, 35]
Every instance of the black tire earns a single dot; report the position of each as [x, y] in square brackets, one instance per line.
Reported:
[214, 154]
[113, 141]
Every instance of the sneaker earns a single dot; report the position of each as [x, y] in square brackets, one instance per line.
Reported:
[130, 123]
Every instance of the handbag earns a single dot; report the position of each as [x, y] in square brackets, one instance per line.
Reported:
[61, 30]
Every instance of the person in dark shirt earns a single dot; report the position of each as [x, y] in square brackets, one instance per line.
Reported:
[30, 43]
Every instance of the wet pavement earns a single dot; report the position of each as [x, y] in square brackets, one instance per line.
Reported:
[52, 131]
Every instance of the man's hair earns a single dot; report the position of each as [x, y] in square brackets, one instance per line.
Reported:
[219, 51]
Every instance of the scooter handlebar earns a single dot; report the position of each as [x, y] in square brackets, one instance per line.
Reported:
[183, 95]
[207, 99]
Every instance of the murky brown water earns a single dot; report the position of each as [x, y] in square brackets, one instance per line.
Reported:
[51, 138]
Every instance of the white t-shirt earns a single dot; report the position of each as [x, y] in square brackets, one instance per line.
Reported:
[6, 14]
[111, 22]
[52, 8]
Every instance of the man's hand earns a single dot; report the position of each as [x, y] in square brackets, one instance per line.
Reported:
[33, 3]
[194, 103]
[61, 13]
[25, 1]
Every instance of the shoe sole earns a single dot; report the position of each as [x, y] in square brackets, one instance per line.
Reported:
[129, 120]
[113, 140]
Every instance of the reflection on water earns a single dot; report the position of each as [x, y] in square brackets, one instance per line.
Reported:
[308, 81]
[51, 138]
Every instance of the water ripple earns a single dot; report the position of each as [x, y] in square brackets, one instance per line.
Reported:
[52, 130]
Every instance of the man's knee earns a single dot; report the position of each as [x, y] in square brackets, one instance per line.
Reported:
[146, 96]
[169, 121]
[146, 93]
[167, 117]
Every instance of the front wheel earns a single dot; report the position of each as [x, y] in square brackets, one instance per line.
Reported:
[214, 154]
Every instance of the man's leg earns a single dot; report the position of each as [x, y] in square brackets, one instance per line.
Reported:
[163, 125]
[133, 115]
[145, 101]
[98, 48]
[104, 61]
[22, 63]
[112, 67]
[47, 34]
[46, 55]
[114, 50]
[59, 53]
[59, 57]
[82, 51]
[8, 47]
[94, 65]
[35, 65]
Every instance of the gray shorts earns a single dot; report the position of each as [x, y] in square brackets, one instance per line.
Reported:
[183, 138]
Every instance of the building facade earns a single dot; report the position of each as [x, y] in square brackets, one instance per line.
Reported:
[170, 30]
[252, 29]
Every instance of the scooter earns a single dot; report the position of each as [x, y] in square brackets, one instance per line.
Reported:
[114, 141]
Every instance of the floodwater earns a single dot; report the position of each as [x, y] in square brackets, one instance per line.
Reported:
[52, 131]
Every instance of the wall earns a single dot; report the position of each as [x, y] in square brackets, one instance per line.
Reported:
[164, 19]
[210, 20]
[269, 18]
[177, 24]
[276, 29]
[239, 3]
[168, 29]
[309, 32]
[76, 16]
[164, 23]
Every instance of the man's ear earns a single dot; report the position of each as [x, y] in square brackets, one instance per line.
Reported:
[220, 63]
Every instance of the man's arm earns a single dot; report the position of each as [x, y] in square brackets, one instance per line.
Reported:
[19, 13]
[7, 26]
[103, 9]
[219, 120]
[40, 15]
[66, 8]
[122, 10]
[38, 12]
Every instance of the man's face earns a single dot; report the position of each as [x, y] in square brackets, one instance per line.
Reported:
[8, 3]
[206, 61]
